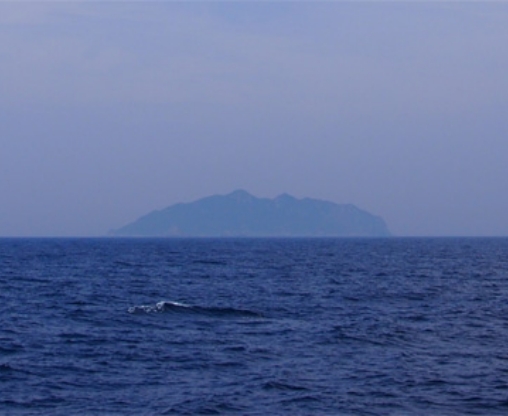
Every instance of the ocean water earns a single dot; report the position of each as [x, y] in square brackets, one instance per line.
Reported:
[254, 327]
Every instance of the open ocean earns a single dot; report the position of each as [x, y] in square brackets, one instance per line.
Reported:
[396, 326]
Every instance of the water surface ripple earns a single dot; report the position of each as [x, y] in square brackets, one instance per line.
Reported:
[254, 326]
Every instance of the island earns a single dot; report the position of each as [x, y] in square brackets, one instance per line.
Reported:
[240, 214]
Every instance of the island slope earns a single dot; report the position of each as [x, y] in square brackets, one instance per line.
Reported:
[240, 214]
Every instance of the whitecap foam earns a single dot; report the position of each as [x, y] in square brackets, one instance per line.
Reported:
[159, 307]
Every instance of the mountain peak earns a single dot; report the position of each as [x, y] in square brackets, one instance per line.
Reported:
[240, 195]
[285, 197]
[239, 192]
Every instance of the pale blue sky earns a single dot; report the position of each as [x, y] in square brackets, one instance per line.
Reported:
[109, 110]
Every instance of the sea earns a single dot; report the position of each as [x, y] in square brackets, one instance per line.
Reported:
[353, 326]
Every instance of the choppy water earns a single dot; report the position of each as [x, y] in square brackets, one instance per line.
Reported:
[254, 327]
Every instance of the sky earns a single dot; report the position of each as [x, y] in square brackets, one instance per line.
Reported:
[110, 110]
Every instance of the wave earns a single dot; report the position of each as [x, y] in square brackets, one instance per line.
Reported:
[182, 308]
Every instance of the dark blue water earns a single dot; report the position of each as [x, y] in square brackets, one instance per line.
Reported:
[254, 327]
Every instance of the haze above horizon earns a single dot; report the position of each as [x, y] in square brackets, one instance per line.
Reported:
[110, 110]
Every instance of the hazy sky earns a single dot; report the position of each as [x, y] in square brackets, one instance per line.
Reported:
[109, 110]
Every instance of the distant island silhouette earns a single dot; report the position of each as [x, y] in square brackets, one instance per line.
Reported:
[240, 214]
